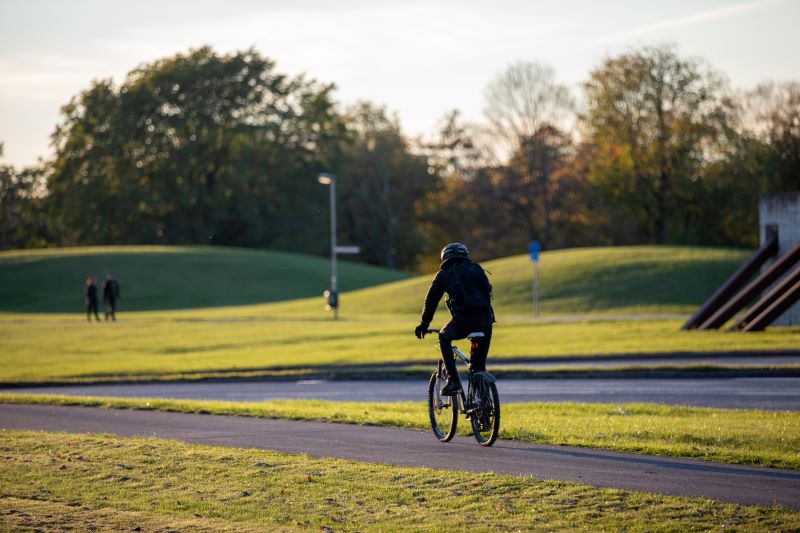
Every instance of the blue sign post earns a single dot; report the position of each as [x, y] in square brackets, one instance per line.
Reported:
[533, 250]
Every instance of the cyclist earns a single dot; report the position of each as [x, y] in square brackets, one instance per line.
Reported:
[469, 297]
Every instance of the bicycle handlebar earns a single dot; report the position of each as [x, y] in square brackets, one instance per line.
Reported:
[432, 331]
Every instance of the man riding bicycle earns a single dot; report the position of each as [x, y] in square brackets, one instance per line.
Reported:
[469, 299]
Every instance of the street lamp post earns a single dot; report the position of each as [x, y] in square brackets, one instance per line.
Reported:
[333, 297]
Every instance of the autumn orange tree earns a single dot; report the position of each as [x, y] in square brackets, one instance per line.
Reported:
[655, 120]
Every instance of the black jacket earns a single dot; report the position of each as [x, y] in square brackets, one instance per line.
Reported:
[444, 282]
[110, 290]
[91, 294]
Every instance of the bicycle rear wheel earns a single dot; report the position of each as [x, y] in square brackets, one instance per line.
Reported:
[442, 411]
[486, 417]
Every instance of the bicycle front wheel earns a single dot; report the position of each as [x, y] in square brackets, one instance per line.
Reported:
[486, 415]
[441, 409]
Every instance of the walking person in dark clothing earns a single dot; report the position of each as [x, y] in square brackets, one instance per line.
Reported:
[91, 299]
[110, 296]
[469, 299]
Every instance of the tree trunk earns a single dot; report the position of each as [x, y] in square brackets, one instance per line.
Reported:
[661, 214]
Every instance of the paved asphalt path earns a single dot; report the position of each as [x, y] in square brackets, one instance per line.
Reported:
[744, 360]
[732, 483]
[739, 393]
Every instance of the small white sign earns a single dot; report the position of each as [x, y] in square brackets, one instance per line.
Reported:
[347, 249]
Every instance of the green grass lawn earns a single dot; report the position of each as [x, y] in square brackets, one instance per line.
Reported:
[54, 481]
[763, 438]
[155, 345]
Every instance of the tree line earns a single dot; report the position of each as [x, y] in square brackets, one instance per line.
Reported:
[208, 148]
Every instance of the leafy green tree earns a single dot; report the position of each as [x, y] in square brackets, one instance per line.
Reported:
[381, 182]
[535, 183]
[770, 117]
[762, 156]
[23, 216]
[89, 178]
[655, 120]
[195, 148]
[8, 200]
[464, 210]
[456, 149]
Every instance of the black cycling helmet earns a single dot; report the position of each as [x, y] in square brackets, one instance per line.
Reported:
[454, 249]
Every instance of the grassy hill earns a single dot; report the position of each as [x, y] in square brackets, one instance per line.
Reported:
[635, 279]
[171, 277]
[652, 279]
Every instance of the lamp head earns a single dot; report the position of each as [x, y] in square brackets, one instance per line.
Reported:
[326, 179]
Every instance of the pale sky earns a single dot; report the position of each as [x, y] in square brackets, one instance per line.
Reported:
[419, 58]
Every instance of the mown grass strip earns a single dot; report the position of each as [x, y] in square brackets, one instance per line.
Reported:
[85, 482]
[345, 372]
[761, 438]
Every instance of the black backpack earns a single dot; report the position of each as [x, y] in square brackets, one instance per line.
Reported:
[471, 291]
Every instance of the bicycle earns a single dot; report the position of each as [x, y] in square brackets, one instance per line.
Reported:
[480, 404]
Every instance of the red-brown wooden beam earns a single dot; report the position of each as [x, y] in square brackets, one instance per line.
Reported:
[753, 289]
[733, 284]
[768, 299]
[771, 313]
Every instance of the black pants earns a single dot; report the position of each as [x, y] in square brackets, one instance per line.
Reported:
[91, 307]
[112, 309]
[455, 330]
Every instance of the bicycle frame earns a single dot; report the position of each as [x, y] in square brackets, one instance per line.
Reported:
[461, 403]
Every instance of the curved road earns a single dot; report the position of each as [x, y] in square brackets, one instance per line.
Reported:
[685, 477]
[735, 393]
